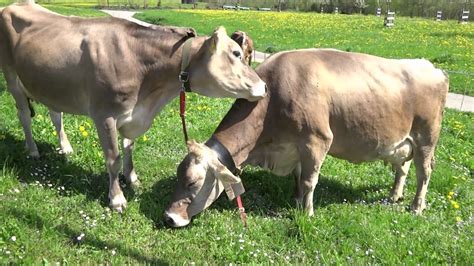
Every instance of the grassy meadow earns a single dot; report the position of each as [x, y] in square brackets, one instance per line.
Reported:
[447, 44]
[45, 204]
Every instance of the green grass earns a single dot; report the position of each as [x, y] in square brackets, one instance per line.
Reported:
[82, 11]
[45, 203]
[448, 44]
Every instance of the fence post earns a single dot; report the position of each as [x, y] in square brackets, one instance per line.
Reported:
[464, 16]
[439, 15]
[378, 12]
[389, 19]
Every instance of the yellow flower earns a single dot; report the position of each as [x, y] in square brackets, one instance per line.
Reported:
[82, 128]
[451, 193]
[54, 133]
[145, 138]
[85, 134]
[456, 206]
[449, 197]
[458, 219]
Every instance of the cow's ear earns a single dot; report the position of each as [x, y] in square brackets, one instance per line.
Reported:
[226, 177]
[218, 39]
[195, 148]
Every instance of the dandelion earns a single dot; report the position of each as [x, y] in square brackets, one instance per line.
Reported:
[455, 204]
[54, 133]
[458, 219]
[449, 197]
[145, 138]
[451, 193]
[82, 128]
[85, 134]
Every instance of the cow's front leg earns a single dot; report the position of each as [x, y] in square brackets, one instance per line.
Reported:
[128, 168]
[401, 172]
[312, 156]
[106, 128]
[57, 119]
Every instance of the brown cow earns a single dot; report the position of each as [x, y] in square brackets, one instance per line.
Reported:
[246, 43]
[353, 106]
[117, 72]
[242, 39]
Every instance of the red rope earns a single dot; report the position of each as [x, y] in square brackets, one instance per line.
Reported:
[243, 215]
[182, 113]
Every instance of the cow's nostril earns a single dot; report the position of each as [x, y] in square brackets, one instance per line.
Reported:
[169, 221]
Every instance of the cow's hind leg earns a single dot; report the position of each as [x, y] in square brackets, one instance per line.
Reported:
[106, 128]
[423, 158]
[57, 119]
[312, 156]
[128, 168]
[401, 172]
[423, 163]
[298, 189]
[23, 111]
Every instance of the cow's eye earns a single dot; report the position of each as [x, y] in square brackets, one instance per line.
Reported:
[237, 54]
[192, 184]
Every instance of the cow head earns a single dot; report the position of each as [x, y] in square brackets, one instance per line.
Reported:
[217, 70]
[246, 43]
[201, 179]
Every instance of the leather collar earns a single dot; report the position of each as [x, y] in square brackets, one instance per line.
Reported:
[223, 155]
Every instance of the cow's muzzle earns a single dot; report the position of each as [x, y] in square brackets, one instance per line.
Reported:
[175, 220]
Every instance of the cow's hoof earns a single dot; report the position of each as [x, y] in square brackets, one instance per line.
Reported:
[34, 155]
[132, 179]
[118, 203]
[417, 207]
[66, 149]
[395, 198]
[135, 185]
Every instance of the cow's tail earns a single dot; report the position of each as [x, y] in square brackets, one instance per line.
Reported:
[32, 110]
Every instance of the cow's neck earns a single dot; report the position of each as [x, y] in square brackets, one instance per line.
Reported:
[160, 66]
[242, 127]
[161, 60]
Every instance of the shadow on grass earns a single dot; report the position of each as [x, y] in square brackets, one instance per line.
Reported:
[54, 168]
[266, 195]
[35, 221]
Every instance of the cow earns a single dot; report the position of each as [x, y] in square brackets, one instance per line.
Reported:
[26, 110]
[353, 106]
[246, 43]
[117, 72]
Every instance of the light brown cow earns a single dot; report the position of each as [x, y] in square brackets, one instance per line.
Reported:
[353, 106]
[26, 111]
[246, 43]
[117, 72]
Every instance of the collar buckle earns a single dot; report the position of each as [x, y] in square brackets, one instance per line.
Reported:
[183, 76]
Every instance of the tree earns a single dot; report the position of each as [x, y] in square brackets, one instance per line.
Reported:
[361, 5]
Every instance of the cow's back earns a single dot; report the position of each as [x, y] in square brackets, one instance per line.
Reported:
[367, 103]
[59, 58]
